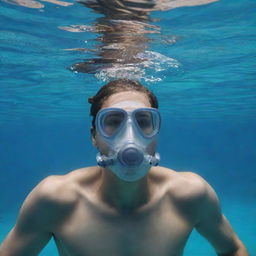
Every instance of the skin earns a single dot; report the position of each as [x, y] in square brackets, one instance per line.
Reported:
[91, 212]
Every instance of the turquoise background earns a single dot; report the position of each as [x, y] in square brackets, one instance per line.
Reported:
[208, 103]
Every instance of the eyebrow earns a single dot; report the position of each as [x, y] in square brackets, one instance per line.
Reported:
[143, 114]
[116, 114]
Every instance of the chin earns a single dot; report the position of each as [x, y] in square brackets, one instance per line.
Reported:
[132, 176]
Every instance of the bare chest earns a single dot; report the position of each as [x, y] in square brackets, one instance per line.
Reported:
[88, 233]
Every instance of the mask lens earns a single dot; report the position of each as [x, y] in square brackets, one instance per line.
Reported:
[112, 121]
[148, 121]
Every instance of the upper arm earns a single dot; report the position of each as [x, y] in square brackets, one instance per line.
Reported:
[213, 225]
[21, 242]
[33, 227]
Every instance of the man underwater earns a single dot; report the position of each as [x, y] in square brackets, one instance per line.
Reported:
[127, 205]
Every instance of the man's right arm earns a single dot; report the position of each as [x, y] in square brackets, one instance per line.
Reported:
[34, 226]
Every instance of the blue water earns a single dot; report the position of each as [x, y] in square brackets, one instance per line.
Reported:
[207, 100]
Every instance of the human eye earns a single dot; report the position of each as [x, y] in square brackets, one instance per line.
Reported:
[112, 122]
[144, 121]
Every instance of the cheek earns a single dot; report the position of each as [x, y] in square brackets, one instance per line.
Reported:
[151, 148]
[101, 145]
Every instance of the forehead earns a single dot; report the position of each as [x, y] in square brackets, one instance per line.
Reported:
[125, 99]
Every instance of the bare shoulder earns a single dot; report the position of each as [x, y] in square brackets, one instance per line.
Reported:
[53, 198]
[51, 202]
[54, 189]
[190, 185]
[184, 187]
[189, 192]
[45, 202]
[197, 188]
[181, 184]
[61, 189]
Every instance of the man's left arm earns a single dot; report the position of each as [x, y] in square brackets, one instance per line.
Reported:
[214, 226]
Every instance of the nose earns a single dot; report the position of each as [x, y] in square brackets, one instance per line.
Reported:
[129, 132]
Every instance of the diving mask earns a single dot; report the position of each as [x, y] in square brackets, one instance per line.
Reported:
[128, 135]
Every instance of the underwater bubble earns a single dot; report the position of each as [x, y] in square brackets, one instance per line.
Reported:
[120, 71]
[149, 68]
[158, 61]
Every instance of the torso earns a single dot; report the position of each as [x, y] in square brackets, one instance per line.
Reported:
[161, 227]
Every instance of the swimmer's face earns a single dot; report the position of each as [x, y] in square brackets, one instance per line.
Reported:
[123, 100]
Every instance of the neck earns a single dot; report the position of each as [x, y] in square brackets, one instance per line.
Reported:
[124, 196]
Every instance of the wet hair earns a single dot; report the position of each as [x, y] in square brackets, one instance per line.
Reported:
[116, 86]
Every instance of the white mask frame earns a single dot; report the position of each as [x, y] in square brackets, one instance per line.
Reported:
[132, 118]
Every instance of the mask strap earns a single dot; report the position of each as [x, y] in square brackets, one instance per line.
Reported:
[103, 160]
[153, 160]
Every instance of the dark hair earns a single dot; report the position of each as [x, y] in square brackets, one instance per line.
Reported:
[116, 86]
